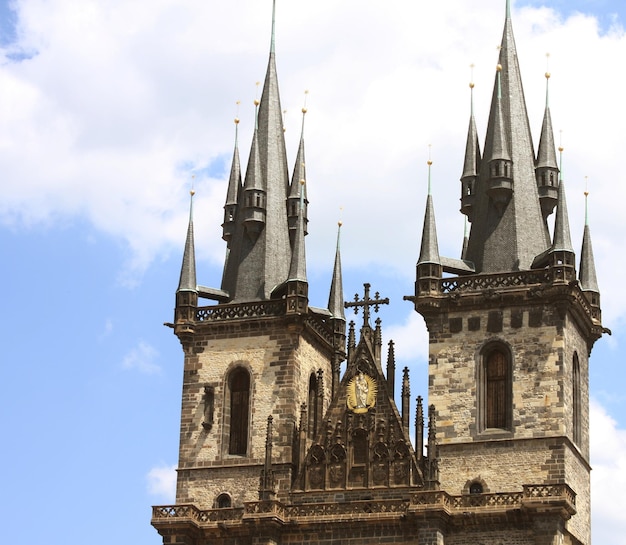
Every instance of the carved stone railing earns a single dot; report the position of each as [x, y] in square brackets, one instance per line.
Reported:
[559, 495]
[321, 328]
[191, 512]
[256, 309]
[483, 282]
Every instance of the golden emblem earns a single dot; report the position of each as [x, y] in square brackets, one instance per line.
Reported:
[361, 393]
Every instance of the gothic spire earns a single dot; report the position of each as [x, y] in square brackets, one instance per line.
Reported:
[587, 275]
[232, 194]
[297, 270]
[260, 253]
[187, 280]
[547, 170]
[471, 165]
[335, 299]
[562, 240]
[429, 252]
[299, 174]
[508, 230]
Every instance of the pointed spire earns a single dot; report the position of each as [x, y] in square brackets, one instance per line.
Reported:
[429, 252]
[406, 399]
[471, 165]
[234, 189]
[335, 299]
[391, 369]
[562, 241]
[299, 175]
[187, 280]
[508, 229]
[547, 170]
[587, 276]
[297, 270]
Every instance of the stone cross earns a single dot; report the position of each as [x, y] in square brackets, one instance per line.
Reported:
[366, 303]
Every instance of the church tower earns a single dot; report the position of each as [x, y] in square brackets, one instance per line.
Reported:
[280, 444]
[510, 333]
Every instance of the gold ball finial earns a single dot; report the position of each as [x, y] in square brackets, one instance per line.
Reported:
[304, 110]
[192, 192]
[236, 121]
[586, 193]
[548, 75]
[302, 182]
[430, 163]
[499, 68]
[256, 101]
[340, 223]
[471, 84]
[561, 149]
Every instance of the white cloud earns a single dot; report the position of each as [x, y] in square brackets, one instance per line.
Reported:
[118, 107]
[410, 339]
[162, 482]
[141, 358]
[608, 477]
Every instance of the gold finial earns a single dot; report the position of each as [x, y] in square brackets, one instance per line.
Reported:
[237, 115]
[548, 66]
[561, 148]
[498, 67]
[471, 76]
[256, 95]
[340, 222]
[284, 117]
[306, 92]
[192, 191]
[586, 186]
[430, 161]
[302, 182]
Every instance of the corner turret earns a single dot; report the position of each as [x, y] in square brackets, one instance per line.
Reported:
[187, 292]
[587, 276]
[429, 269]
[546, 170]
[232, 195]
[471, 165]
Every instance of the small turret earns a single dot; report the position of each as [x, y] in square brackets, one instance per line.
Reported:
[254, 194]
[293, 201]
[546, 169]
[587, 275]
[471, 166]
[562, 257]
[429, 269]
[500, 181]
[338, 317]
[187, 292]
[297, 284]
[232, 195]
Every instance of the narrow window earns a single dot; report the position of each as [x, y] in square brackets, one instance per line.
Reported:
[239, 411]
[476, 488]
[576, 400]
[496, 390]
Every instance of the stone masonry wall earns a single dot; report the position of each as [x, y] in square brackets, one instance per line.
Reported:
[280, 361]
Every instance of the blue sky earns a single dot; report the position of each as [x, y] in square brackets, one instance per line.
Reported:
[107, 110]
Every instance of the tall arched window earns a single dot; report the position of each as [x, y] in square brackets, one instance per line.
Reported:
[239, 383]
[576, 400]
[496, 389]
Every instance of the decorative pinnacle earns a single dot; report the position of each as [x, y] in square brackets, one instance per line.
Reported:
[430, 164]
[304, 110]
[586, 200]
[471, 86]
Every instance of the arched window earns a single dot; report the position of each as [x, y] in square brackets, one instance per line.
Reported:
[312, 406]
[495, 394]
[223, 501]
[576, 402]
[239, 385]
[476, 488]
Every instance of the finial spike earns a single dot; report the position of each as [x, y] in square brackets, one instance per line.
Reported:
[273, 43]
[586, 200]
[561, 149]
[430, 164]
[508, 9]
[471, 89]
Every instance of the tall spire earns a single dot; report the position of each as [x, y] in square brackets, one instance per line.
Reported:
[187, 280]
[335, 299]
[429, 252]
[508, 229]
[587, 275]
[260, 252]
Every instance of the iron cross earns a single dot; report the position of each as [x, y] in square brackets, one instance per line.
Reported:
[366, 303]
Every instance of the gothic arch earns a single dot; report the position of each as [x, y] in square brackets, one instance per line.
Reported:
[237, 404]
[576, 401]
[494, 392]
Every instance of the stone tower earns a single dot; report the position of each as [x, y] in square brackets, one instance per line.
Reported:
[279, 446]
[510, 332]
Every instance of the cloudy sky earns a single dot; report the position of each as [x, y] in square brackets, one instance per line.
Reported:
[110, 110]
